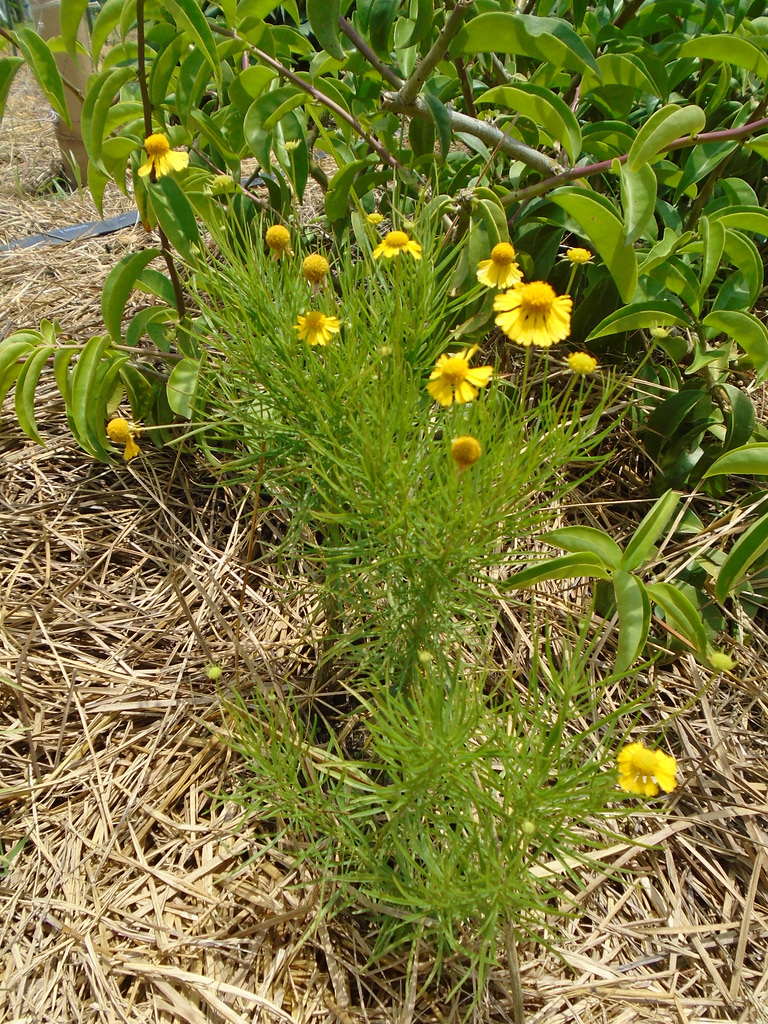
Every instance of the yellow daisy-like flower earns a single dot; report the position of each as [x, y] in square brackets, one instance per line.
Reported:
[465, 451]
[316, 327]
[396, 242]
[161, 158]
[582, 363]
[643, 771]
[532, 314]
[374, 218]
[314, 269]
[278, 238]
[501, 270]
[122, 431]
[579, 255]
[454, 379]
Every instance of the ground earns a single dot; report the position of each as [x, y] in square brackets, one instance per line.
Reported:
[132, 889]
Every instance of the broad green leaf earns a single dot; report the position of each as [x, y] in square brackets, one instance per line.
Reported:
[323, 16]
[586, 538]
[12, 351]
[545, 39]
[70, 15]
[748, 548]
[104, 25]
[681, 614]
[380, 21]
[188, 15]
[337, 196]
[745, 218]
[759, 143]
[729, 48]
[602, 225]
[99, 98]
[138, 390]
[619, 69]
[164, 68]
[634, 608]
[174, 214]
[43, 67]
[650, 528]
[641, 315]
[742, 252]
[638, 198]
[662, 128]
[425, 12]
[26, 388]
[442, 120]
[83, 406]
[748, 331]
[117, 288]
[182, 387]
[750, 460]
[713, 238]
[137, 329]
[8, 68]
[566, 567]
[544, 108]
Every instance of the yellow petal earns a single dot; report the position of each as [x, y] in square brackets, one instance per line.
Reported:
[441, 391]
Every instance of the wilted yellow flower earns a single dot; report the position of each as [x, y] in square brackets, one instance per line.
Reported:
[465, 451]
[374, 218]
[454, 379]
[643, 771]
[314, 269]
[532, 314]
[278, 238]
[578, 255]
[582, 363]
[396, 242]
[316, 327]
[122, 431]
[501, 270]
[161, 158]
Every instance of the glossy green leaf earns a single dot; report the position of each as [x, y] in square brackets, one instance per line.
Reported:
[662, 128]
[70, 15]
[566, 567]
[138, 390]
[337, 196]
[545, 39]
[26, 389]
[745, 218]
[188, 15]
[742, 252]
[640, 547]
[713, 238]
[730, 48]
[87, 377]
[380, 20]
[586, 538]
[43, 67]
[599, 221]
[8, 68]
[12, 353]
[638, 198]
[544, 108]
[749, 460]
[634, 608]
[748, 331]
[619, 69]
[323, 16]
[681, 614]
[182, 387]
[641, 315]
[174, 214]
[104, 26]
[97, 107]
[442, 120]
[118, 286]
[61, 372]
[425, 12]
[748, 548]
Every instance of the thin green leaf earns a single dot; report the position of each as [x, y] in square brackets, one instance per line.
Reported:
[442, 120]
[744, 553]
[746, 329]
[639, 548]
[641, 315]
[117, 288]
[681, 614]
[86, 380]
[586, 538]
[663, 127]
[188, 15]
[567, 567]
[323, 16]
[26, 388]
[749, 460]
[634, 608]
[12, 350]
[70, 15]
[8, 68]
[638, 198]
[182, 387]
[43, 67]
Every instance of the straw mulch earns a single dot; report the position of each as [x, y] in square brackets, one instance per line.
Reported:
[137, 895]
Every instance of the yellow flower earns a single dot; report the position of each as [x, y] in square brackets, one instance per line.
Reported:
[531, 314]
[278, 239]
[314, 269]
[396, 242]
[578, 255]
[316, 327]
[465, 451]
[161, 158]
[644, 771]
[453, 378]
[374, 218]
[582, 363]
[501, 270]
[122, 431]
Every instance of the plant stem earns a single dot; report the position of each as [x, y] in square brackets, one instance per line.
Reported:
[466, 86]
[513, 966]
[360, 44]
[429, 62]
[628, 12]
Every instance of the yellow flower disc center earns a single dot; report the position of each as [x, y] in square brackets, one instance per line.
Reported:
[454, 370]
[157, 145]
[315, 267]
[314, 319]
[537, 297]
[645, 762]
[503, 254]
[396, 240]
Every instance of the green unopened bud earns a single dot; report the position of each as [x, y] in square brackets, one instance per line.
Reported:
[528, 827]
[424, 657]
[213, 672]
[721, 662]
[659, 332]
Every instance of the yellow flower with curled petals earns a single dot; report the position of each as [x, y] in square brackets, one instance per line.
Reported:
[644, 771]
[501, 270]
[278, 239]
[161, 158]
[579, 256]
[453, 379]
[465, 451]
[316, 327]
[122, 431]
[532, 314]
[396, 242]
[582, 363]
[374, 218]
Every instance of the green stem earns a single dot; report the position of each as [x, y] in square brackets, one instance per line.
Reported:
[360, 44]
[429, 62]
